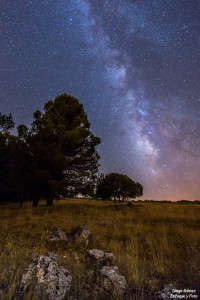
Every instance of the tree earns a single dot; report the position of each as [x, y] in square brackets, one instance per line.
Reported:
[14, 163]
[63, 150]
[6, 124]
[119, 187]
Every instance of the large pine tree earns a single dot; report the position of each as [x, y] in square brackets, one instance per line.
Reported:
[62, 148]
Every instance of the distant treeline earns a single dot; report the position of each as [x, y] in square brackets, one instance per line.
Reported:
[168, 201]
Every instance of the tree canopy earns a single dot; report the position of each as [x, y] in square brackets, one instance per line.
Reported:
[6, 122]
[118, 186]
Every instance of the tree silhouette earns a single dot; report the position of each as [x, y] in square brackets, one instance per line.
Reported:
[119, 187]
[62, 147]
[6, 122]
[56, 156]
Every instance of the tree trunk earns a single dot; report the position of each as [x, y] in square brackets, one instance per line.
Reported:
[35, 202]
[21, 199]
[21, 202]
[50, 201]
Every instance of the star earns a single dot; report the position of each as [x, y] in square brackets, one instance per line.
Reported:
[135, 67]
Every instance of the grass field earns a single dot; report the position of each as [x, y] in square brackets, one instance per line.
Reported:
[155, 243]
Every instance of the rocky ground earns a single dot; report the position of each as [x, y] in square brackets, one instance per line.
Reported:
[44, 278]
[133, 252]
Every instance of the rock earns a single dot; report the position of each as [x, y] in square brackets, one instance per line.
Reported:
[112, 282]
[98, 258]
[103, 277]
[55, 234]
[165, 293]
[82, 236]
[45, 278]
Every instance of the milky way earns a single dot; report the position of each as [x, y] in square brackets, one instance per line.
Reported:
[135, 65]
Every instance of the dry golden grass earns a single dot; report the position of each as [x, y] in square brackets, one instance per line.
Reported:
[155, 243]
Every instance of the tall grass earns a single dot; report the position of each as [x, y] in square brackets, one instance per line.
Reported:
[155, 243]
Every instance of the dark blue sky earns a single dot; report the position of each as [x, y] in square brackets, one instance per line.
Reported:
[135, 65]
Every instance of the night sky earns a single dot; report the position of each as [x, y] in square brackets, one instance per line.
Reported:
[135, 66]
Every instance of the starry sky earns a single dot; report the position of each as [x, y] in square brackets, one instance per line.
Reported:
[135, 66]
